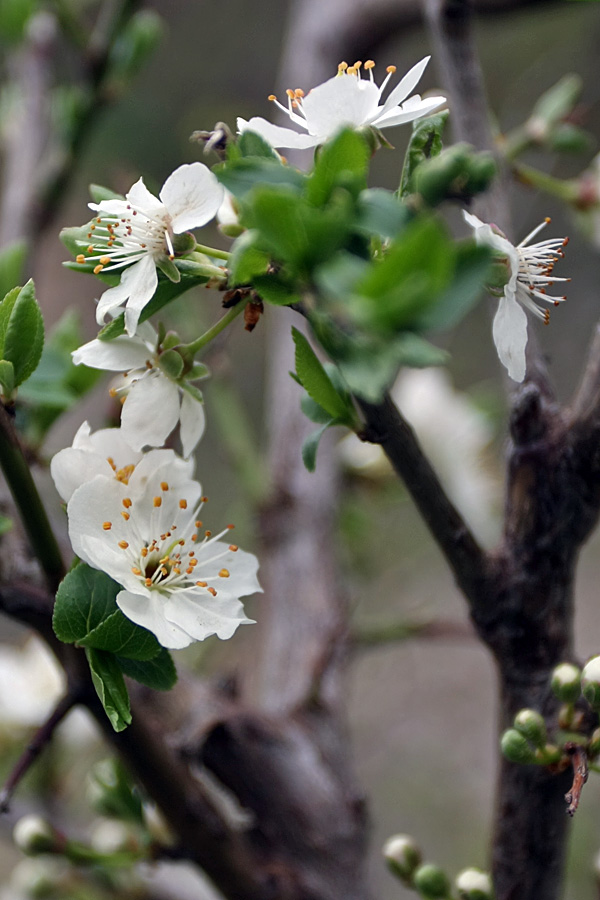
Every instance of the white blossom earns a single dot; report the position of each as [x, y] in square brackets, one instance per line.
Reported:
[107, 453]
[530, 273]
[346, 100]
[31, 683]
[153, 402]
[138, 233]
[179, 581]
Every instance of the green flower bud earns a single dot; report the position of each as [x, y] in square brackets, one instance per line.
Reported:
[431, 882]
[402, 856]
[184, 243]
[482, 169]
[548, 755]
[594, 744]
[516, 747]
[567, 138]
[532, 726]
[231, 230]
[590, 682]
[434, 179]
[566, 682]
[33, 835]
[473, 884]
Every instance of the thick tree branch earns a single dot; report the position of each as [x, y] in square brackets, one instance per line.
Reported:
[387, 427]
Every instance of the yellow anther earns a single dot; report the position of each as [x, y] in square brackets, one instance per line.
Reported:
[272, 98]
[342, 66]
[105, 260]
[369, 64]
[224, 573]
[231, 527]
[290, 93]
[211, 590]
[112, 392]
[208, 533]
[107, 526]
[90, 249]
[123, 545]
[391, 69]
[98, 269]
[351, 70]
[183, 504]
[201, 584]
[157, 501]
[98, 220]
[299, 92]
[127, 502]
[164, 571]
[148, 582]
[357, 64]
[136, 571]
[198, 523]
[144, 550]
[164, 486]
[233, 547]
[80, 258]
[547, 220]
[126, 516]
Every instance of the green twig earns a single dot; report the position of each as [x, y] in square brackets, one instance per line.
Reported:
[25, 494]
[556, 187]
[212, 251]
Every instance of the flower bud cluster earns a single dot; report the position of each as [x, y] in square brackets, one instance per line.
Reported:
[405, 860]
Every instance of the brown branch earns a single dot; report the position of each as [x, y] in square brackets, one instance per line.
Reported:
[580, 776]
[387, 427]
[39, 741]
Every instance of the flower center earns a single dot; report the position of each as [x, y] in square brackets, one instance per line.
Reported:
[117, 241]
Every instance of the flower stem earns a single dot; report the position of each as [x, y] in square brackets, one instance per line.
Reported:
[556, 187]
[216, 329]
[212, 251]
[22, 487]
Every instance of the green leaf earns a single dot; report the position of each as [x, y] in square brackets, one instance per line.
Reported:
[248, 259]
[425, 143]
[121, 636]
[472, 267]
[311, 445]
[110, 687]
[7, 377]
[311, 409]
[85, 598]
[169, 269]
[21, 331]
[241, 175]
[86, 613]
[315, 380]
[275, 289]
[381, 212]
[12, 263]
[252, 144]
[158, 673]
[99, 193]
[344, 161]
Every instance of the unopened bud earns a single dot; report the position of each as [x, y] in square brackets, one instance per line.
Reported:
[590, 682]
[548, 754]
[183, 243]
[431, 882]
[403, 856]
[566, 682]
[111, 837]
[532, 726]
[34, 835]
[473, 884]
[516, 748]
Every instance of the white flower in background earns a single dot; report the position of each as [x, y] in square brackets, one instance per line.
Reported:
[138, 232]
[530, 274]
[107, 453]
[180, 582]
[454, 435]
[31, 683]
[346, 100]
[153, 403]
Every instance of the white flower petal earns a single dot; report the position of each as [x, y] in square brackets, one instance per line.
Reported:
[192, 423]
[142, 287]
[510, 336]
[142, 200]
[149, 612]
[117, 355]
[112, 207]
[406, 85]
[151, 411]
[409, 112]
[343, 100]
[277, 136]
[201, 616]
[192, 196]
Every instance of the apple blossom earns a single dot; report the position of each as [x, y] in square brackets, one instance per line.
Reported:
[139, 232]
[179, 582]
[153, 402]
[530, 273]
[346, 100]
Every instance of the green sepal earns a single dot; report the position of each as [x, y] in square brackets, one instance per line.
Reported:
[21, 331]
[110, 687]
[169, 269]
[86, 613]
[557, 102]
[311, 445]
[425, 143]
[171, 363]
[251, 144]
[192, 390]
[158, 673]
